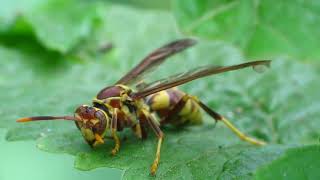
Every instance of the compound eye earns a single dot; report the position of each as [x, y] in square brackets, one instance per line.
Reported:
[101, 125]
[89, 109]
[99, 115]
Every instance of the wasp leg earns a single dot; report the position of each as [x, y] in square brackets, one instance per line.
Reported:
[219, 117]
[178, 107]
[114, 132]
[155, 127]
[140, 129]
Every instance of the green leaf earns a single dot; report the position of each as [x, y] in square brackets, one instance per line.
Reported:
[259, 28]
[58, 25]
[197, 152]
[279, 106]
[296, 163]
[156, 5]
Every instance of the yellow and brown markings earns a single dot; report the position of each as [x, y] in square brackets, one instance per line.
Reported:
[165, 102]
[117, 97]
[92, 122]
[160, 100]
[190, 113]
[91, 118]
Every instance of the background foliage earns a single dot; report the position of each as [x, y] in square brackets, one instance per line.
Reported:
[51, 63]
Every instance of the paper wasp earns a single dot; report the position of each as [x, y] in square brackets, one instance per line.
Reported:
[152, 105]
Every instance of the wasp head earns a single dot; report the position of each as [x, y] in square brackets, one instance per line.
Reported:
[92, 122]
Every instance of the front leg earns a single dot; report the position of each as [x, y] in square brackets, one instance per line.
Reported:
[114, 132]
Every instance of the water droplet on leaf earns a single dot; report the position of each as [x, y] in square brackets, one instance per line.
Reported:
[261, 68]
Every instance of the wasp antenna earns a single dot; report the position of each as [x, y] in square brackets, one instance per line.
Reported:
[40, 118]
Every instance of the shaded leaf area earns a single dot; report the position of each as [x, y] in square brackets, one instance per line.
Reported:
[257, 27]
[279, 106]
[58, 25]
[296, 163]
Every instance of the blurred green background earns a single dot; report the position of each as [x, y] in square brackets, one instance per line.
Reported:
[52, 60]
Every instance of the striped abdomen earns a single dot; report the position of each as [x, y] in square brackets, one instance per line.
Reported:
[164, 102]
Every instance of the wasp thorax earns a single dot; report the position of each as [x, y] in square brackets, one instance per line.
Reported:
[92, 122]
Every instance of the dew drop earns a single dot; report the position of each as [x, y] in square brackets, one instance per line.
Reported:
[261, 67]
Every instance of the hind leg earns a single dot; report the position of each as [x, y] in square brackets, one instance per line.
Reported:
[219, 117]
[179, 106]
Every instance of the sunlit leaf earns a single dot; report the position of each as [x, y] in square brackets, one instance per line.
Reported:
[261, 29]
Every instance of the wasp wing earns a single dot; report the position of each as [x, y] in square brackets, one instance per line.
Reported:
[154, 59]
[193, 74]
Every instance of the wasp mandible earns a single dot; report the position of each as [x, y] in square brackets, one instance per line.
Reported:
[152, 105]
